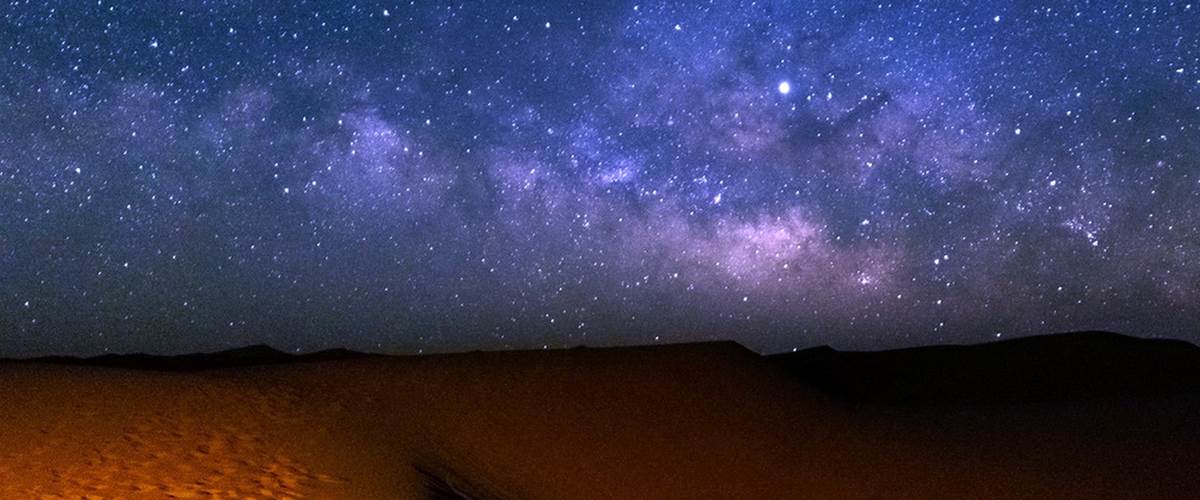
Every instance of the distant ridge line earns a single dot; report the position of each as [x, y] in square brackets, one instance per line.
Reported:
[252, 355]
[1055, 367]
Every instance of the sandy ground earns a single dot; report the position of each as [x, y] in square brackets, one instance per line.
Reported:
[711, 421]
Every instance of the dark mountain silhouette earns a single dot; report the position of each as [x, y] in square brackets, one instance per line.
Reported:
[242, 356]
[1078, 365]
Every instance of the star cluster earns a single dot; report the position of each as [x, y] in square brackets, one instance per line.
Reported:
[415, 177]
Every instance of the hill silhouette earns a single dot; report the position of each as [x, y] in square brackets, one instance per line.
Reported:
[1076, 365]
[252, 355]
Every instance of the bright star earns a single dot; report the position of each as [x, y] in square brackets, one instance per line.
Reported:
[785, 88]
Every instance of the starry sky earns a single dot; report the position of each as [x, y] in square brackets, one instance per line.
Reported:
[423, 177]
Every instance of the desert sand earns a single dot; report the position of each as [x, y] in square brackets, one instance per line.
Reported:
[688, 421]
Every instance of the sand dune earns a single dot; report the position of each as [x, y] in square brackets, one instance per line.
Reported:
[691, 421]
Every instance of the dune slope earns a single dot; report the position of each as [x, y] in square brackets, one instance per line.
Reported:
[688, 421]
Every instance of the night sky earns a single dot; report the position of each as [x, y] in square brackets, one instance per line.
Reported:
[412, 177]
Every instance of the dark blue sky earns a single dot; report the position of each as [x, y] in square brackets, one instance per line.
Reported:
[185, 175]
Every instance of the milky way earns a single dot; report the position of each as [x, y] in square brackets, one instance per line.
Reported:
[186, 175]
